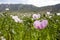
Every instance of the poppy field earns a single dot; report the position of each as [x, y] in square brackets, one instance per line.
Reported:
[35, 26]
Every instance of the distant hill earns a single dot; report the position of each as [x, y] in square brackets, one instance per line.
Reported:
[29, 8]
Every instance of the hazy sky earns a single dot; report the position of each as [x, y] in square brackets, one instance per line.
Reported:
[38, 3]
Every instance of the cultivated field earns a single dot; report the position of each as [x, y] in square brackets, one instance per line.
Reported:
[20, 26]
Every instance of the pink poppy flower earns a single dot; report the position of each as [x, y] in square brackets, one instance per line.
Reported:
[36, 16]
[37, 24]
[44, 23]
[40, 25]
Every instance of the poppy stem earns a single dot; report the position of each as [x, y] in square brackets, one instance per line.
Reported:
[39, 34]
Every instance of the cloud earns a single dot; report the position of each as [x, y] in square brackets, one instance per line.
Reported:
[38, 3]
[12, 1]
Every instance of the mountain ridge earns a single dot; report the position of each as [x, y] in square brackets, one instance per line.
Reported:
[29, 8]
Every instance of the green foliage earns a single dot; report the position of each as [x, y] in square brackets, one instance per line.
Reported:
[26, 31]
